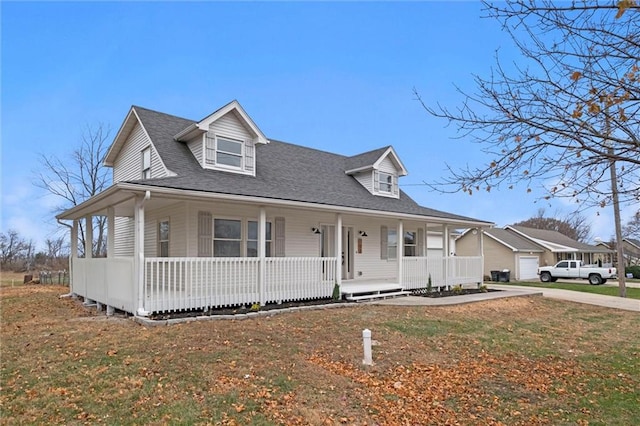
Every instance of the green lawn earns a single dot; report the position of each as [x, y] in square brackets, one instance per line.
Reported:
[632, 293]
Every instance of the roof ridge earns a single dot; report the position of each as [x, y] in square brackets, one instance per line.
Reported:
[160, 112]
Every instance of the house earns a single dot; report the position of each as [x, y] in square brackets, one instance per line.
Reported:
[212, 213]
[631, 250]
[522, 250]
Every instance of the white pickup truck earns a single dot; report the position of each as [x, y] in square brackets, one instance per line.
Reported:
[575, 269]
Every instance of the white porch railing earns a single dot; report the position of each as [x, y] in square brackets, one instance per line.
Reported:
[444, 271]
[105, 280]
[174, 284]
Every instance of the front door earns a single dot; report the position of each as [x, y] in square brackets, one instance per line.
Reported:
[328, 248]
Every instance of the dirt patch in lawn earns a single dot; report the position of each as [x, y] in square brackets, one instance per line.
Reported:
[506, 361]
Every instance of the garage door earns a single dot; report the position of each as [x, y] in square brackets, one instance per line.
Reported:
[528, 267]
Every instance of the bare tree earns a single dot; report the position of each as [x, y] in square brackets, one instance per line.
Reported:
[12, 247]
[567, 112]
[574, 225]
[632, 227]
[78, 179]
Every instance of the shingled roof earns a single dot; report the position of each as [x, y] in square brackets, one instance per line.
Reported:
[555, 237]
[513, 240]
[284, 171]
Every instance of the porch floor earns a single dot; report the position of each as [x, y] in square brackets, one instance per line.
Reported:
[360, 291]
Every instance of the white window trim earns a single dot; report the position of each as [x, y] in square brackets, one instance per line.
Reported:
[414, 245]
[146, 169]
[160, 240]
[241, 155]
[214, 239]
[394, 190]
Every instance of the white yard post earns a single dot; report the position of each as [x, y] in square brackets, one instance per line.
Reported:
[366, 343]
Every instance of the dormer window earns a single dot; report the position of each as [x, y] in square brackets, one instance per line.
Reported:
[229, 152]
[385, 182]
[225, 152]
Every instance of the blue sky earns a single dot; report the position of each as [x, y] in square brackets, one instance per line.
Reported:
[335, 76]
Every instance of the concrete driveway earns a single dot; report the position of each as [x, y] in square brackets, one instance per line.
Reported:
[578, 296]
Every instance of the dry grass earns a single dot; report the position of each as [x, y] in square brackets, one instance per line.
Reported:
[510, 361]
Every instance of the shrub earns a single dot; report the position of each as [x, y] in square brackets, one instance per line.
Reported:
[457, 289]
[336, 292]
[429, 285]
[635, 270]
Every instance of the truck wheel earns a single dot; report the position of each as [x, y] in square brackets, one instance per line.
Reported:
[545, 277]
[595, 279]
[604, 281]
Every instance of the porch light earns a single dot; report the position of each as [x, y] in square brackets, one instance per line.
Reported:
[315, 230]
[362, 234]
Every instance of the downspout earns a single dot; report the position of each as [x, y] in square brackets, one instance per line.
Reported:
[139, 243]
[70, 294]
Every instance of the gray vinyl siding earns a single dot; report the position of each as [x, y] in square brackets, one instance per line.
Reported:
[128, 163]
[365, 179]
[178, 234]
[387, 166]
[230, 127]
[195, 145]
[123, 236]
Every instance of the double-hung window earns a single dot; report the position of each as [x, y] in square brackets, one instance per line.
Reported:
[146, 163]
[252, 239]
[392, 244]
[410, 243]
[227, 238]
[385, 182]
[229, 152]
[163, 238]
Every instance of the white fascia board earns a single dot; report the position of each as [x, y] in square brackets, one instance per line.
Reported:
[234, 106]
[402, 171]
[189, 133]
[125, 128]
[191, 194]
[359, 170]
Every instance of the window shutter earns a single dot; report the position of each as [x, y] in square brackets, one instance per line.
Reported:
[394, 185]
[383, 242]
[420, 244]
[210, 149]
[279, 240]
[205, 234]
[248, 155]
[376, 181]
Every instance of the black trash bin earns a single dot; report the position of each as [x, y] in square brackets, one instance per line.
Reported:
[495, 275]
[504, 276]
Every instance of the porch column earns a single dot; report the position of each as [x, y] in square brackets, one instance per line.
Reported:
[445, 254]
[262, 250]
[88, 237]
[339, 254]
[111, 224]
[481, 253]
[138, 249]
[74, 253]
[400, 253]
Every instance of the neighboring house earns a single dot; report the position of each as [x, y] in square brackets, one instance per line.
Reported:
[631, 250]
[211, 213]
[522, 250]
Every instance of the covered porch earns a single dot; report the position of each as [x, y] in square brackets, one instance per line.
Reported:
[152, 278]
